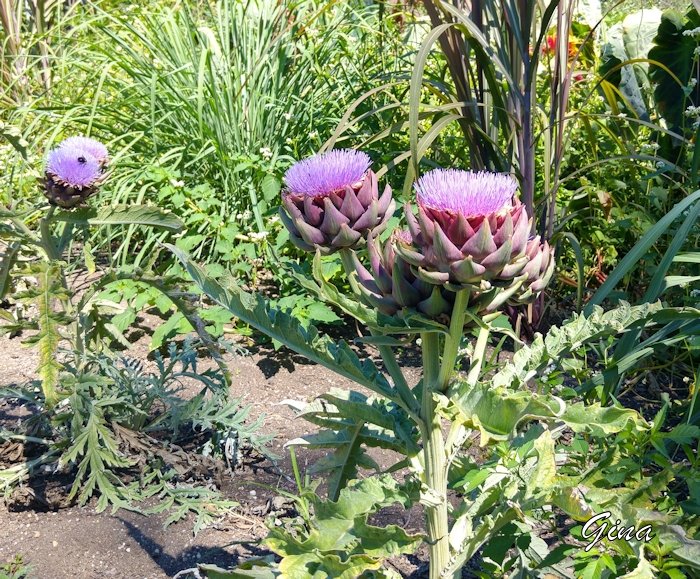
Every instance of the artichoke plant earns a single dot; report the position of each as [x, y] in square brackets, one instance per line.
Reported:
[331, 201]
[74, 171]
[392, 286]
[472, 232]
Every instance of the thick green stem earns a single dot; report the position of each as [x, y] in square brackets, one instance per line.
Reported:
[52, 255]
[435, 460]
[478, 357]
[46, 237]
[453, 340]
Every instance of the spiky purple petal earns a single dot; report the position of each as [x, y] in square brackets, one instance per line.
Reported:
[466, 192]
[326, 173]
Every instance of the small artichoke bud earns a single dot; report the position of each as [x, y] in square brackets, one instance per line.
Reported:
[539, 271]
[332, 201]
[392, 285]
[74, 171]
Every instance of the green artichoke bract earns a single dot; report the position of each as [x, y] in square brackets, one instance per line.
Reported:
[331, 201]
[392, 286]
[472, 232]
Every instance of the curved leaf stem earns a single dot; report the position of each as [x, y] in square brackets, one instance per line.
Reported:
[453, 339]
[478, 357]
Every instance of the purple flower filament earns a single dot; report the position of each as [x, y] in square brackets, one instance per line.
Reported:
[73, 166]
[466, 192]
[87, 145]
[327, 173]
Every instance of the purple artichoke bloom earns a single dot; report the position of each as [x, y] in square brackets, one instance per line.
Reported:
[332, 201]
[327, 173]
[73, 167]
[392, 286]
[72, 172]
[472, 232]
[87, 145]
[471, 194]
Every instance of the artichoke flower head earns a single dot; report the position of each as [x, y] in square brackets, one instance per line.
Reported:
[331, 201]
[472, 232]
[74, 171]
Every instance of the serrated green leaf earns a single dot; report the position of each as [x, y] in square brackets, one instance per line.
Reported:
[48, 337]
[342, 525]
[561, 341]
[600, 421]
[121, 215]
[497, 412]
[254, 310]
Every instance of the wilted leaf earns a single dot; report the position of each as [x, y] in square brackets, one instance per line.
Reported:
[601, 421]
[497, 412]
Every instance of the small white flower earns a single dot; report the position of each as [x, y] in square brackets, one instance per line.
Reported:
[239, 216]
[660, 164]
[288, 116]
[175, 183]
[266, 153]
[313, 135]
[274, 219]
[692, 83]
[695, 293]
[696, 52]
[247, 214]
[288, 140]
[622, 115]
[548, 370]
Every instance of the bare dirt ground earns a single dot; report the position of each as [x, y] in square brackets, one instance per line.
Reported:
[59, 539]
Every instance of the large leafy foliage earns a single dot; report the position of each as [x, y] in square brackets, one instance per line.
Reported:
[352, 422]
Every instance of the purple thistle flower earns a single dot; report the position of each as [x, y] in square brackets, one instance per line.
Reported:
[466, 192]
[327, 173]
[87, 145]
[73, 167]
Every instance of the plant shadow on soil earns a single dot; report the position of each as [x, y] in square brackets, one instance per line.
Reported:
[60, 538]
